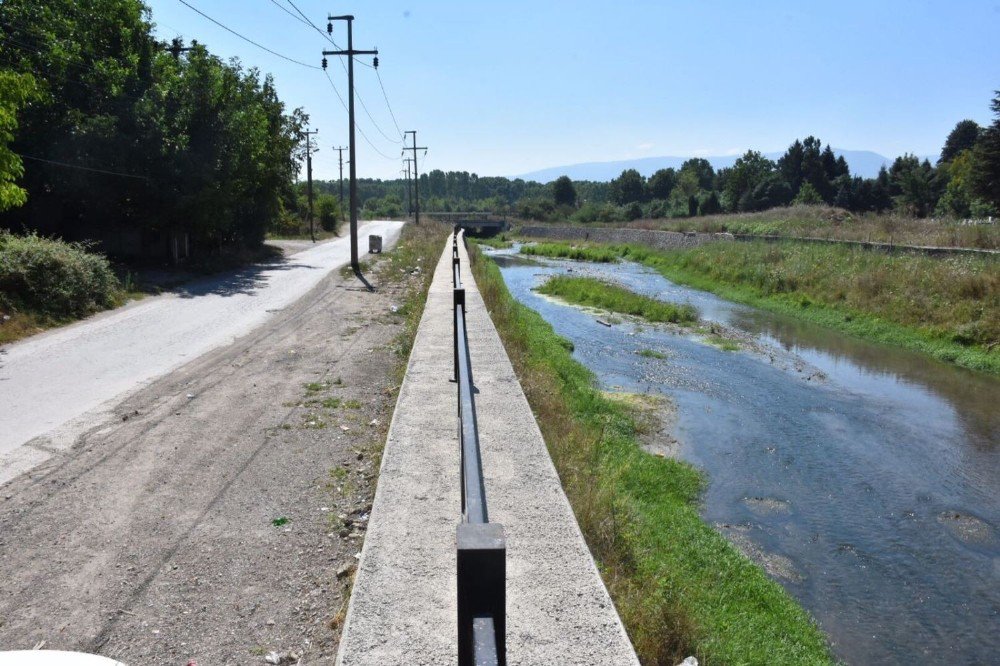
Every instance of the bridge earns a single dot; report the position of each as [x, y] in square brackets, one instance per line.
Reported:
[474, 223]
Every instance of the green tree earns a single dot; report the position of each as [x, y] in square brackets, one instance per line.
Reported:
[662, 183]
[962, 138]
[748, 172]
[808, 195]
[703, 171]
[563, 192]
[328, 210]
[986, 160]
[629, 187]
[710, 204]
[15, 91]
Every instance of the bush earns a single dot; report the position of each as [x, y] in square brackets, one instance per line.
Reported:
[54, 278]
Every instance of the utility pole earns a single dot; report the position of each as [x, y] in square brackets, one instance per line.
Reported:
[409, 200]
[350, 53]
[416, 177]
[309, 182]
[175, 49]
[340, 153]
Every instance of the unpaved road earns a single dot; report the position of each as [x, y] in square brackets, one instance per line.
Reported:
[58, 377]
[154, 539]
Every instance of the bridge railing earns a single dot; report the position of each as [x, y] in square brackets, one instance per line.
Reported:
[481, 545]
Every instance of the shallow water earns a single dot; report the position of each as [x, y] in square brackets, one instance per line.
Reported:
[869, 475]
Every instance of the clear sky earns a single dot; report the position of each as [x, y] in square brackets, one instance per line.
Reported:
[503, 88]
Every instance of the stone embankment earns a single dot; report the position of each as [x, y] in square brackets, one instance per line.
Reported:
[403, 607]
[659, 240]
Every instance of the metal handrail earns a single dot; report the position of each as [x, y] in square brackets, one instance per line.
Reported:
[481, 545]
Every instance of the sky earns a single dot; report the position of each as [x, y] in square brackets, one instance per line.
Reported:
[504, 88]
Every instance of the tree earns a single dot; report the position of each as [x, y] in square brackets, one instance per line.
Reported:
[710, 205]
[15, 91]
[629, 187]
[808, 195]
[749, 171]
[962, 138]
[986, 160]
[702, 169]
[662, 183]
[563, 192]
[328, 209]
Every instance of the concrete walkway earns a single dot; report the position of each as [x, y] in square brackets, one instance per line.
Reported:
[403, 608]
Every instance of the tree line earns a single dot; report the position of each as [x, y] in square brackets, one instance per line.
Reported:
[106, 133]
[964, 183]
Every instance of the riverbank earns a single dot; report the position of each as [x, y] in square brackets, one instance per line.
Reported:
[680, 587]
[948, 308]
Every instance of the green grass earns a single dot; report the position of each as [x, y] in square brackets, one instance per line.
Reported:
[566, 251]
[946, 307]
[500, 242]
[679, 586]
[651, 353]
[599, 294]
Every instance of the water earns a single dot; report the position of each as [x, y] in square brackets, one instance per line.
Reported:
[868, 475]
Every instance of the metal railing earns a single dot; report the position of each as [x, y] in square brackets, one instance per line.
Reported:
[481, 545]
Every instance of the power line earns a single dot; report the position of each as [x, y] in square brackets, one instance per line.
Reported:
[387, 105]
[360, 131]
[246, 39]
[82, 168]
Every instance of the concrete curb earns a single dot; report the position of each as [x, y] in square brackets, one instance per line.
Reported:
[403, 607]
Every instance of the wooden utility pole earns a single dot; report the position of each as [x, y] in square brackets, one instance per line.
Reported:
[309, 182]
[409, 200]
[416, 177]
[340, 159]
[350, 53]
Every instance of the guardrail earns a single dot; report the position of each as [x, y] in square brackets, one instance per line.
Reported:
[481, 545]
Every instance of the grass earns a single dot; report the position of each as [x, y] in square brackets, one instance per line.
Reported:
[566, 251]
[679, 586]
[802, 221]
[651, 353]
[946, 307]
[605, 296]
[500, 242]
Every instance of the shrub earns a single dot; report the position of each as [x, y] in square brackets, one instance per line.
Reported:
[54, 278]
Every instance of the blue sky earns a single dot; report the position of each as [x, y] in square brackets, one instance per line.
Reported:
[504, 88]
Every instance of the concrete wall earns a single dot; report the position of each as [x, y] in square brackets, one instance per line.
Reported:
[403, 608]
[660, 240]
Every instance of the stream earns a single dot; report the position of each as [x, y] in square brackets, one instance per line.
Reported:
[863, 478]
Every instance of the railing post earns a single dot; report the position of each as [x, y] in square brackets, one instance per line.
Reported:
[458, 296]
[482, 594]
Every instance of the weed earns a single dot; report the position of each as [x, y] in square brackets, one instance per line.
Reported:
[651, 353]
[316, 387]
[599, 294]
[278, 522]
[352, 404]
[331, 403]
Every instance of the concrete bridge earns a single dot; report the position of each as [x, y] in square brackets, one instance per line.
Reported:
[404, 608]
[475, 223]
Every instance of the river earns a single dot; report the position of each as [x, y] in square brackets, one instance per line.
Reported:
[866, 478]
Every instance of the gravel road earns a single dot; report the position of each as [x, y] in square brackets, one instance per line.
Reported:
[56, 385]
[215, 514]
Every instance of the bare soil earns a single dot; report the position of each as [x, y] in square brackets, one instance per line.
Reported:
[217, 516]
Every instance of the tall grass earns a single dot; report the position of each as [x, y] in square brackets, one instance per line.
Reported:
[600, 294]
[679, 586]
[948, 307]
[564, 251]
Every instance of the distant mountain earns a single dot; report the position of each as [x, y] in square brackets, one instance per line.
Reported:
[863, 163]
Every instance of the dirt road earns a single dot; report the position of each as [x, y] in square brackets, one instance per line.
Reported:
[49, 383]
[207, 517]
